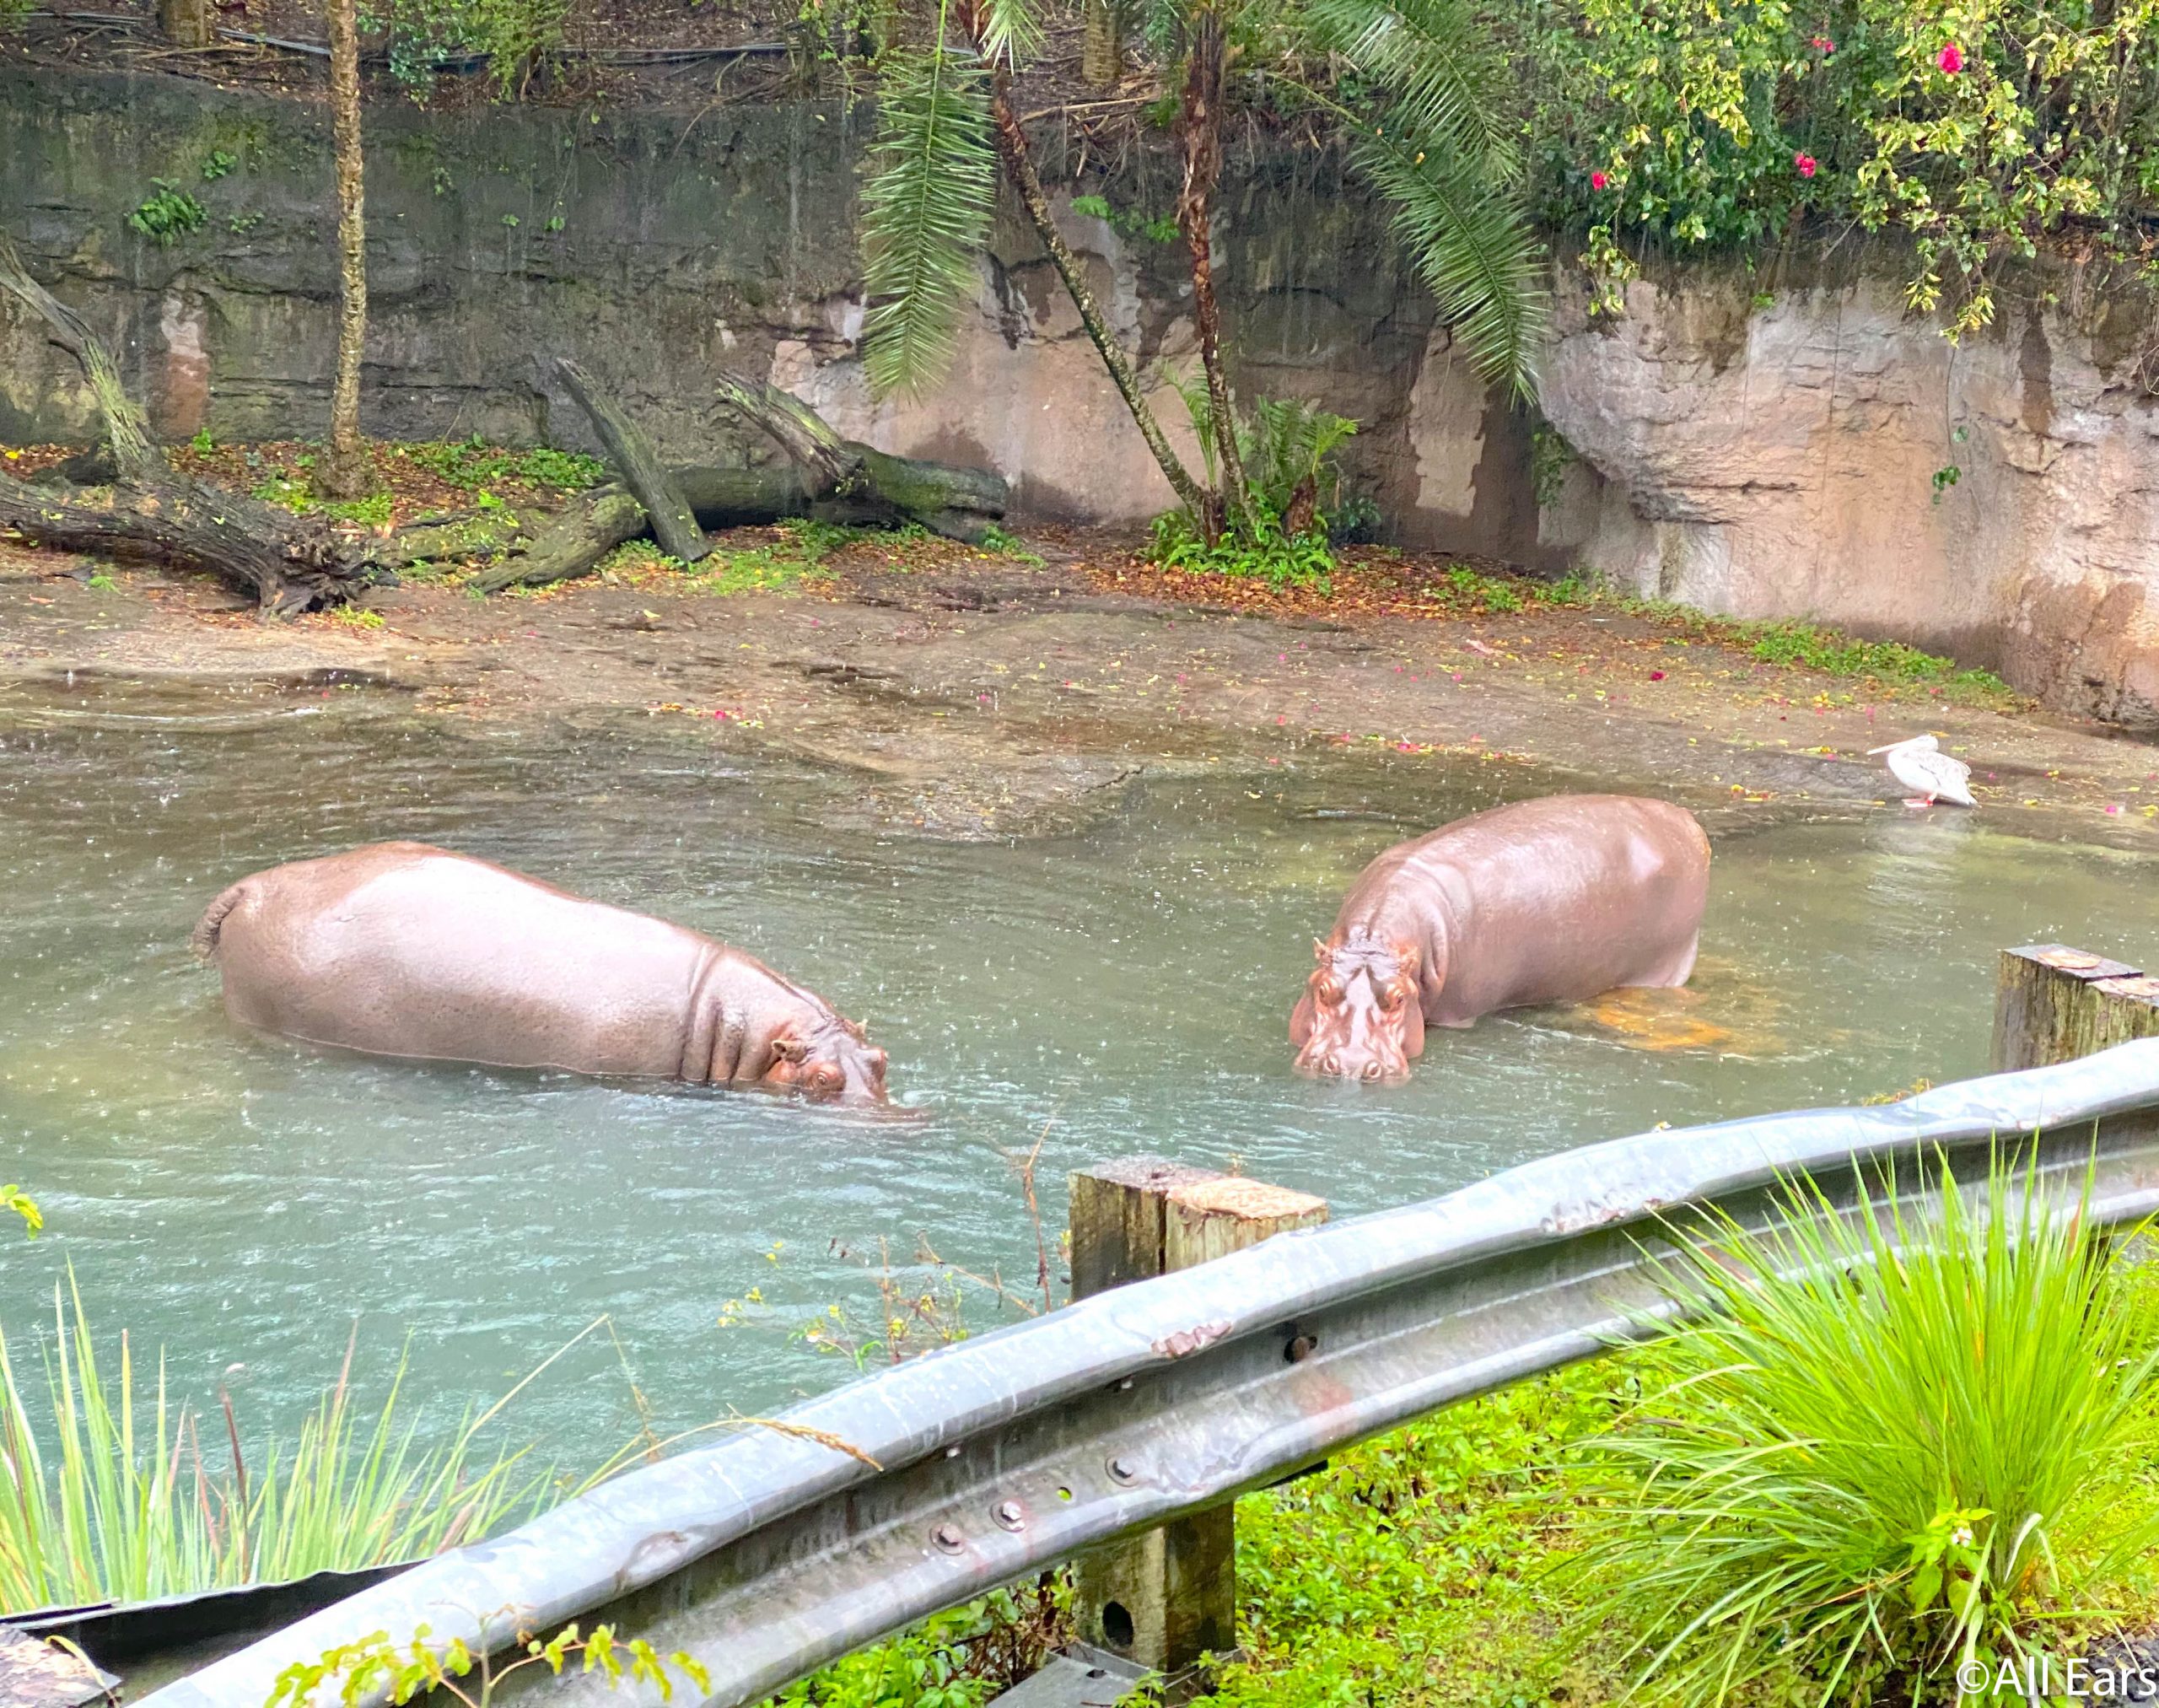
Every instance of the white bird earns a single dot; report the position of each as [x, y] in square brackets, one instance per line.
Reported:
[1921, 766]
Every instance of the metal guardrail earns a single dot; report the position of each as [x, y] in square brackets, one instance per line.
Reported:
[772, 1553]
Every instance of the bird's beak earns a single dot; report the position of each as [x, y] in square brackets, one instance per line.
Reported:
[1871, 751]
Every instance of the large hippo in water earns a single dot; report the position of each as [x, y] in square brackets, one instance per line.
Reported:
[403, 950]
[1555, 900]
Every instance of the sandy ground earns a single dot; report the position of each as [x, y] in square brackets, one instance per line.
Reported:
[980, 697]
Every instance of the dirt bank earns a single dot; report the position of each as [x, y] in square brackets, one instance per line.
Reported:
[978, 696]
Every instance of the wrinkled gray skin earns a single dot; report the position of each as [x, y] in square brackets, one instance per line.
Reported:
[1555, 900]
[402, 950]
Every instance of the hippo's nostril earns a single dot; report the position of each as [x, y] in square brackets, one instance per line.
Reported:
[1371, 1071]
[1330, 1063]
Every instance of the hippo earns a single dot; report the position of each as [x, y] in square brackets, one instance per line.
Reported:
[1555, 900]
[399, 949]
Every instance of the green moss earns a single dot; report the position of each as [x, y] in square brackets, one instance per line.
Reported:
[471, 464]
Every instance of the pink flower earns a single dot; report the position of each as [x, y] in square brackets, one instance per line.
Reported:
[1822, 44]
[1597, 180]
[1806, 163]
[1951, 59]
[1656, 675]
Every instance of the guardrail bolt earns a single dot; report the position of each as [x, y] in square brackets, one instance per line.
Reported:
[1010, 1514]
[1121, 1470]
[948, 1537]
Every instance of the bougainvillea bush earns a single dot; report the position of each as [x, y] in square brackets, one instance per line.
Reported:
[1983, 130]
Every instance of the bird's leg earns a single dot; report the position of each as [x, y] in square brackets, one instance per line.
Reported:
[1917, 804]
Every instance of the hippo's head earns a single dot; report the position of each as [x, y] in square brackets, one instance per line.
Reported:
[1361, 1016]
[830, 1062]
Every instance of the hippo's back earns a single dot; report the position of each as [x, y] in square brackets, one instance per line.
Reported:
[1559, 898]
[401, 949]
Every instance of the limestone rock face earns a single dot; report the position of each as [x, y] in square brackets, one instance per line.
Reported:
[661, 247]
[1828, 455]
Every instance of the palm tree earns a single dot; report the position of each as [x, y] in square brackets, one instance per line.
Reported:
[1426, 129]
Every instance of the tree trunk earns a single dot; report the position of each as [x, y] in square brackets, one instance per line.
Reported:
[345, 471]
[674, 524]
[1019, 169]
[185, 23]
[287, 562]
[1102, 47]
[1199, 132]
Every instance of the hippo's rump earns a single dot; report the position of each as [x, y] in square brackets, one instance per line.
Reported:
[399, 949]
[1557, 900]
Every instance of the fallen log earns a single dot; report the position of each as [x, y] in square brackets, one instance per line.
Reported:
[138, 504]
[825, 478]
[959, 503]
[673, 523]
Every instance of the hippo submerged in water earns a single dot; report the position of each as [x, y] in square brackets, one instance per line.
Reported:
[402, 950]
[1555, 900]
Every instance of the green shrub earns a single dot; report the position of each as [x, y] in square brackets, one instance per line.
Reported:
[1876, 1448]
[1269, 555]
[1978, 132]
[515, 37]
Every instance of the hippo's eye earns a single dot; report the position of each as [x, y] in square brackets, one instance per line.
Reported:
[1390, 997]
[1327, 987]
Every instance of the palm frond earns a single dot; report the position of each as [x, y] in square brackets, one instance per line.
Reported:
[1009, 30]
[1471, 243]
[926, 210]
[1442, 74]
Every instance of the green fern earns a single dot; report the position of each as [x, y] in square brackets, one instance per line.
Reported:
[1437, 64]
[927, 210]
[1435, 146]
[1287, 443]
[1470, 243]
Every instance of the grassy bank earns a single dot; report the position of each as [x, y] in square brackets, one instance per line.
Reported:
[1938, 1445]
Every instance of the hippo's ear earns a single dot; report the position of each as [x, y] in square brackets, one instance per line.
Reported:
[1321, 953]
[1300, 1020]
[790, 1050]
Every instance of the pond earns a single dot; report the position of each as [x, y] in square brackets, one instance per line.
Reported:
[242, 1203]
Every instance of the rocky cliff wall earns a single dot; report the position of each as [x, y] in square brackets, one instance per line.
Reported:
[1825, 454]
[659, 248]
[1759, 459]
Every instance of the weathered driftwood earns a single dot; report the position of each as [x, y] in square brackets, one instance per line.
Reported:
[825, 478]
[140, 505]
[667, 512]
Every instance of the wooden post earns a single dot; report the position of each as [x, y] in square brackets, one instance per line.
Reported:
[2052, 1004]
[1164, 1599]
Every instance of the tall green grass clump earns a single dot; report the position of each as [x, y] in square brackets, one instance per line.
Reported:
[124, 1496]
[1874, 1449]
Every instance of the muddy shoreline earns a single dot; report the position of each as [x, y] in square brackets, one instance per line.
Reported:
[979, 696]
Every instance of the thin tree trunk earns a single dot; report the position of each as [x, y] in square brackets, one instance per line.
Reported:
[185, 23]
[345, 471]
[1102, 47]
[1020, 168]
[1199, 130]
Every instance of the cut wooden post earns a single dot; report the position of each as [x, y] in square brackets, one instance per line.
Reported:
[2053, 1004]
[674, 523]
[1164, 1599]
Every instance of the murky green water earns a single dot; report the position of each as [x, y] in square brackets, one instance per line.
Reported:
[241, 1202]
